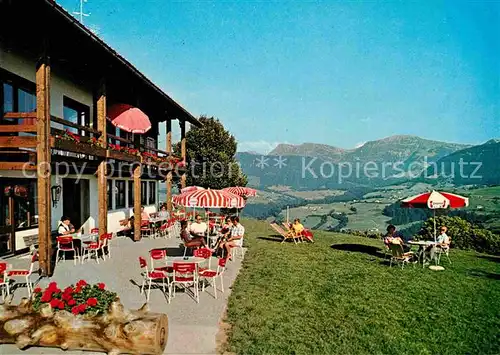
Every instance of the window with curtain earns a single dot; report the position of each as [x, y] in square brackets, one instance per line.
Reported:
[130, 194]
[144, 193]
[120, 194]
[75, 112]
[152, 192]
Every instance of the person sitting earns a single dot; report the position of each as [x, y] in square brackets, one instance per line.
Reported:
[393, 237]
[236, 237]
[443, 239]
[297, 227]
[163, 214]
[188, 239]
[65, 226]
[144, 214]
[198, 228]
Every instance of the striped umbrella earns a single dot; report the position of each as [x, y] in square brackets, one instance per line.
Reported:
[209, 199]
[191, 188]
[241, 191]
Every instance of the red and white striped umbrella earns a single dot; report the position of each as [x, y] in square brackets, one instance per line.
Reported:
[209, 199]
[191, 188]
[241, 191]
[434, 200]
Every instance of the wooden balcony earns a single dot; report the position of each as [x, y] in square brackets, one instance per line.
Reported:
[87, 142]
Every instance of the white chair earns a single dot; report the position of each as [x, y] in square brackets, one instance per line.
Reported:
[65, 244]
[150, 276]
[212, 275]
[235, 250]
[185, 274]
[4, 280]
[399, 256]
[25, 273]
[92, 249]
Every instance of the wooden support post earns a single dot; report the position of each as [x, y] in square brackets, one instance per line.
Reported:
[102, 180]
[137, 202]
[183, 151]
[169, 175]
[43, 158]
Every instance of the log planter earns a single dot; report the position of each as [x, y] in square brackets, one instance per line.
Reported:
[117, 331]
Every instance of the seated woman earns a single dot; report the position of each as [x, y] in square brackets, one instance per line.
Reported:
[297, 227]
[392, 237]
[163, 212]
[189, 240]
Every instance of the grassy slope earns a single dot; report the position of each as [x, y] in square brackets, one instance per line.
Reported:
[311, 298]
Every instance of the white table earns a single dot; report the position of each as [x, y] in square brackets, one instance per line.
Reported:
[186, 260]
[422, 244]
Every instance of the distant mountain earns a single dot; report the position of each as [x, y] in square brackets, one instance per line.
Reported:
[471, 166]
[316, 166]
[323, 151]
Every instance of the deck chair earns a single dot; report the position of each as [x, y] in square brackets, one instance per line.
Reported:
[399, 256]
[290, 230]
[285, 235]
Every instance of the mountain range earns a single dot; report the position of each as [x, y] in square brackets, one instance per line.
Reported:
[381, 162]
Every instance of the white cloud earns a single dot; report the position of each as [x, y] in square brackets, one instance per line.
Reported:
[359, 145]
[262, 147]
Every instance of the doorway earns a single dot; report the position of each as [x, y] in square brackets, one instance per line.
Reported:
[76, 201]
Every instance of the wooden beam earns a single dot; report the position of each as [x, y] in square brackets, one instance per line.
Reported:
[137, 202]
[169, 136]
[20, 115]
[169, 191]
[17, 166]
[18, 128]
[18, 142]
[102, 180]
[183, 151]
[43, 158]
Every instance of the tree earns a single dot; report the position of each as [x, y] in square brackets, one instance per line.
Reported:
[211, 151]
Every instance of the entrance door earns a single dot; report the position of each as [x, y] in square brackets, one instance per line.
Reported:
[7, 225]
[76, 204]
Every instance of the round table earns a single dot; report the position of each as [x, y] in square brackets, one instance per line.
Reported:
[422, 244]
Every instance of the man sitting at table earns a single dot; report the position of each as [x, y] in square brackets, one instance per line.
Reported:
[198, 228]
[65, 226]
[144, 214]
[236, 238]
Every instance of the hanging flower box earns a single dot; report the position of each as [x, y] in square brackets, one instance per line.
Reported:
[82, 317]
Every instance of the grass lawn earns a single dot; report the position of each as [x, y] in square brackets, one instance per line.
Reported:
[315, 298]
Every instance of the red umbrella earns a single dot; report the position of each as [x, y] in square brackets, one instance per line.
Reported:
[241, 191]
[129, 118]
[191, 188]
[435, 200]
[209, 199]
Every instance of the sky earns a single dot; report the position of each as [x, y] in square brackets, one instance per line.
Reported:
[338, 73]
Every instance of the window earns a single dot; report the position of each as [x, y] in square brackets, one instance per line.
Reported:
[152, 192]
[144, 192]
[130, 193]
[120, 194]
[110, 194]
[77, 113]
[16, 95]
[26, 208]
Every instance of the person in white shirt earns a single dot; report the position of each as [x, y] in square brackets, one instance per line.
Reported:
[65, 226]
[198, 228]
[443, 238]
[163, 213]
[236, 237]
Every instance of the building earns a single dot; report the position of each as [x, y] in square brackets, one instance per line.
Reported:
[58, 152]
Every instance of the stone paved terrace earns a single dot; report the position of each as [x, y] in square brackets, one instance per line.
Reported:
[192, 327]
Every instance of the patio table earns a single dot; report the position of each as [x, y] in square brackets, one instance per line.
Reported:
[422, 245]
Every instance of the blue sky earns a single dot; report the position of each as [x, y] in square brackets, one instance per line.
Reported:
[338, 73]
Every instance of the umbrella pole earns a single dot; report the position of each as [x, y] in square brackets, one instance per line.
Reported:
[434, 211]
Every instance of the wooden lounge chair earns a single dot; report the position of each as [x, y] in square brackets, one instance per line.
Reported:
[285, 235]
[290, 230]
[399, 256]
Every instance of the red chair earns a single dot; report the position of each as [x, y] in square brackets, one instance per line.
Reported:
[184, 275]
[25, 273]
[94, 230]
[93, 248]
[64, 245]
[161, 256]
[149, 277]
[4, 280]
[206, 254]
[163, 231]
[146, 230]
[212, 275]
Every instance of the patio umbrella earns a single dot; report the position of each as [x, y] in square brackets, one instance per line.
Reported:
[209, 199]
[191, 188]
[241, 191]
[435, 200]
[129, 118]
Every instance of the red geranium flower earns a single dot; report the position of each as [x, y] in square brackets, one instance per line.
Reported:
[37, 290]
[75, 310]
[66, 296]
[92, 302]
[82, 308]
[52, 286]
[61, 305]
[46, 297]
[81, 283]
[71, 302]
[54, 303]
[101, 286]
[78, 289]
[68, 290]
